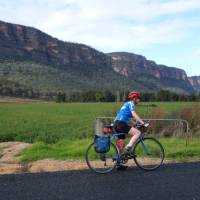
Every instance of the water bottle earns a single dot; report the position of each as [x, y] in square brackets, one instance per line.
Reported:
[120, 144]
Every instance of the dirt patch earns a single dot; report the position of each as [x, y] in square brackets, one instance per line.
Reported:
[9, 162]
[49, 165]
[9, 150]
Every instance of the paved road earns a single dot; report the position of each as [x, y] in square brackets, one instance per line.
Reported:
[178, 181]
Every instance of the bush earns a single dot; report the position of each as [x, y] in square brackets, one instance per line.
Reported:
[192, 115]
[177, 128]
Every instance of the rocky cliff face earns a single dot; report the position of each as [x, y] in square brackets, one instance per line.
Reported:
[195, 82]
[21, 43]
[130, 64]
[136, 67]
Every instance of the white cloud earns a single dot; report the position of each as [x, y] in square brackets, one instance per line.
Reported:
[113, 35]
[106, 25]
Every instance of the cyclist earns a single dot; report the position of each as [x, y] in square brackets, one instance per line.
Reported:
[121, 121]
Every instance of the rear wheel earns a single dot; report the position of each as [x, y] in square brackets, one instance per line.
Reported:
[102, 162]
[149, 153]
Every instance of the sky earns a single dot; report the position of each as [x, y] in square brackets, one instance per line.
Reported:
[166, 31]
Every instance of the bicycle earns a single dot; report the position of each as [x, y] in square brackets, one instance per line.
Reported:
[147, 153]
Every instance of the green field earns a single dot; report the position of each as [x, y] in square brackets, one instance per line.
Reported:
[63, 131]
[51, 122]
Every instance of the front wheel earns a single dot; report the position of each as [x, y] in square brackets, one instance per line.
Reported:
[149, 153]
[102, 162]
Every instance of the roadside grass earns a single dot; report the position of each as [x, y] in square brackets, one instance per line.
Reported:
[63, 150]
[175, 150]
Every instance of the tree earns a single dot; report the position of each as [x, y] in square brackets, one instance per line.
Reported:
[163, 95]
[60, 97]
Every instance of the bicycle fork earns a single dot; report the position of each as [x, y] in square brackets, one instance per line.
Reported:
[145, 147]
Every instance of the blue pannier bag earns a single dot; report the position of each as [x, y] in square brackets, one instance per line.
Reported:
[102, 143]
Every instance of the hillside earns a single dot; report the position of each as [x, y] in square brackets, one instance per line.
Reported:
[33, 61]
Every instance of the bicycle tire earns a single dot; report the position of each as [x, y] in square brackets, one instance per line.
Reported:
[96, 167]
[152, 160]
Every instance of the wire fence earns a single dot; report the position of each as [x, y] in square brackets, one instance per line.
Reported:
[158, 127]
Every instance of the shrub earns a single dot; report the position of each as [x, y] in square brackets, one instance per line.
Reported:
[192, 115]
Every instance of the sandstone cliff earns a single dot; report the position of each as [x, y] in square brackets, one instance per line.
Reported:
[137, 67]
[77, 66]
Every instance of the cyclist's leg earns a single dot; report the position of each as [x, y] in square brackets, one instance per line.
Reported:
[131, 131]
[135, 134]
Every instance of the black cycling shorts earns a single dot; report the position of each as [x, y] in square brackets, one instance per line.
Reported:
[121, 127]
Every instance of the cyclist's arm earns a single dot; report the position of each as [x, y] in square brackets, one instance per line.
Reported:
[137, 118]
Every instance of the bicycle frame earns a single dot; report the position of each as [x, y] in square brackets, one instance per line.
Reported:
[115, 137]
[123, 157]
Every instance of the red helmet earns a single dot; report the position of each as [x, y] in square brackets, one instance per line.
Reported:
[134, 95]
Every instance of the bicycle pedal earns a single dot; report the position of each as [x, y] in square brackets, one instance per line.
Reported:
[130, 156]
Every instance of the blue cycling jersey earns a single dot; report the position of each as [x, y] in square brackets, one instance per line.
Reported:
[125, 112]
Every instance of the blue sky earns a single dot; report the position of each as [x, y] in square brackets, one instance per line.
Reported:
[166, 31]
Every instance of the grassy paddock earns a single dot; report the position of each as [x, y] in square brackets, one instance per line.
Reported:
[175, 149]
[63, 131]
[51, 122]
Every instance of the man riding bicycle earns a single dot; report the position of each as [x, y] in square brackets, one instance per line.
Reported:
[122, 119]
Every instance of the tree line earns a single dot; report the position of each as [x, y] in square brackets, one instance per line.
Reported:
[108, 96]
[13, 89]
